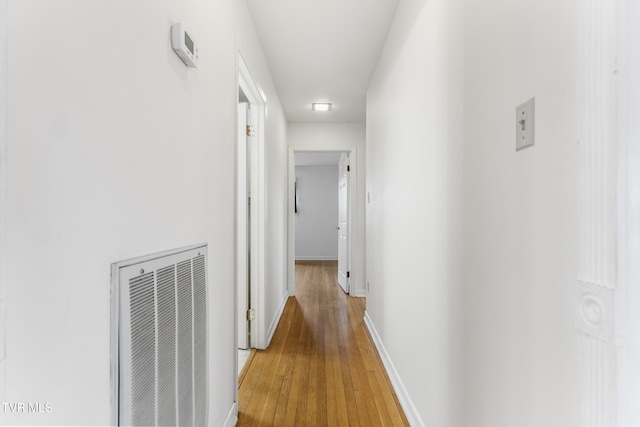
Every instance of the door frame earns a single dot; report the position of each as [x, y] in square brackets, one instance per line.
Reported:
[258, 102]
[351, 217]
[243, 228]
[608, 278]
[344, 156]
[627, 152]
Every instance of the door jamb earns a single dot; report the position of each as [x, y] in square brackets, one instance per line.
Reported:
[351, 218]
[258, 102]
[242, 229]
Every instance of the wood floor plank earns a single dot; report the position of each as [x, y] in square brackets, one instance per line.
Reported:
[245, 368]
[302, 362]
[272, 387]
[321, 368]
[281, 409]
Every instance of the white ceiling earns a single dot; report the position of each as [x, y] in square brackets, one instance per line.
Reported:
[322, 50]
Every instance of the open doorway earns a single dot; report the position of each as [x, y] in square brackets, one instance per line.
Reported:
[321, 211]
[243, 229]
[250, 202]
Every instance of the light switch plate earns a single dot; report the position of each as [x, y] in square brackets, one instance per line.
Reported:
[525, 124]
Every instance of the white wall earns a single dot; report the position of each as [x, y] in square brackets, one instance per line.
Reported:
[521, 209]
[478, 251]
[3, 209]
[414, 217]
[276, 247]
[317, 217]
[336, 136]
[115, 150]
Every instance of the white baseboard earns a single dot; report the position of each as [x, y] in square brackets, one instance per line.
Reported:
[405, 400]
[316, 258]
[360, 293]
[232, 416]
[276, 319]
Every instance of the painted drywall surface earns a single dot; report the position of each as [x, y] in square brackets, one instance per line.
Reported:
[3, 210]
[414, 214]
[509, 276]
[520, 210]
[276, 214]
[338, 136]
[317, 217]
[116, 150]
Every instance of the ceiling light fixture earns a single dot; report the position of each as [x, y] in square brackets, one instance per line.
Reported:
[321, 106]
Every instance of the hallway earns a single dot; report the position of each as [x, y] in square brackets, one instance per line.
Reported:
[321, 367]
[501, 278]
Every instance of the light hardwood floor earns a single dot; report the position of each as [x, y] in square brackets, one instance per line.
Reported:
[321, 368]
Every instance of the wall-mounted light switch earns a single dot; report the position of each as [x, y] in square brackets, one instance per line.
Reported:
[525, 124]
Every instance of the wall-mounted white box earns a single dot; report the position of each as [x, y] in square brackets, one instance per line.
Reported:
[525, 124]
[184, 45]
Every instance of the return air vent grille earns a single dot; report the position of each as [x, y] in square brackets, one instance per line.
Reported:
[143, 348]
[159, 339]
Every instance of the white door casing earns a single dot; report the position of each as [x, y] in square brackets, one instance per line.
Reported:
[242, 229]
[355, 253]
[343, 215]
[607, 292]
[256, 210]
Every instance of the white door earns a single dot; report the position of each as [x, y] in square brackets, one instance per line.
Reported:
[343, 215]
[242, 246]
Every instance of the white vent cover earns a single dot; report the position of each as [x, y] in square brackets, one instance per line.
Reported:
[159, 339]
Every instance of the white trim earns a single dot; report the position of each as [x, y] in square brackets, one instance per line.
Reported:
[403, 396]
[343, 172]
[628, 219]
[276, 319]
[241, 228]
[316, 258]
[607, 275]
[361, 293]
[258, 101]
[351, 216]
[291, 225]
[353, 203]
[235, 234]
[232, 416]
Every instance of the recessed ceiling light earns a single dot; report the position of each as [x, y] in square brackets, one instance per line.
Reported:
[321, 106]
